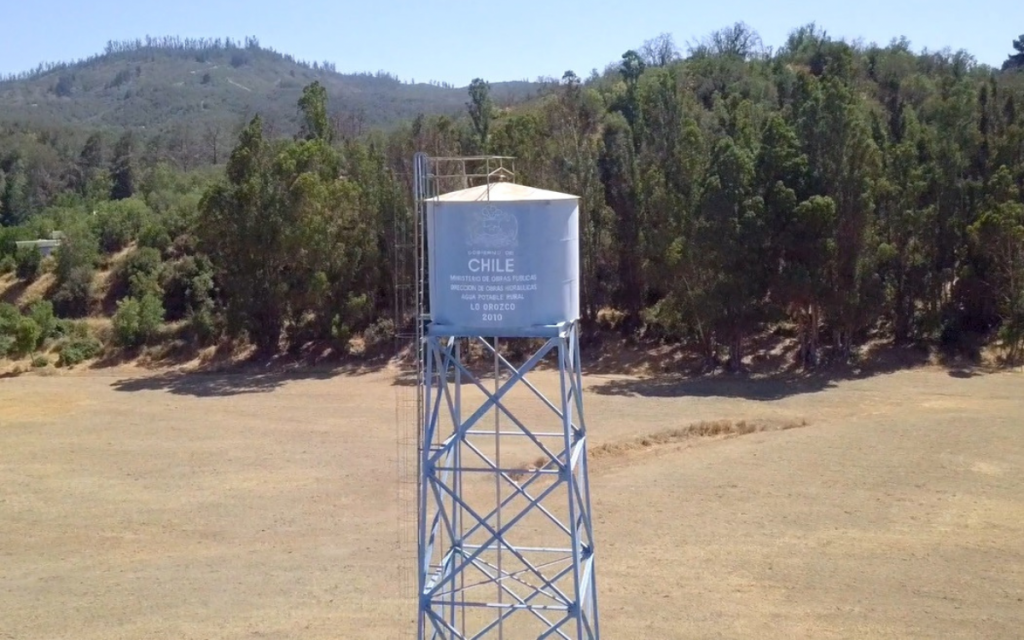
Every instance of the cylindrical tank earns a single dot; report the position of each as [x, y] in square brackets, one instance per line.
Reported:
[503, 257]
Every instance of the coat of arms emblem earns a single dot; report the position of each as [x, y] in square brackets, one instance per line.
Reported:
[492, 228]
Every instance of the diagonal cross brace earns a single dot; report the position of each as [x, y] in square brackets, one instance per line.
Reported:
[493, 399]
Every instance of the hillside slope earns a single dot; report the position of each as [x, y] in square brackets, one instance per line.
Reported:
[157, 83]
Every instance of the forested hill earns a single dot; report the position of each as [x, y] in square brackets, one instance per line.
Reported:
[158, 82]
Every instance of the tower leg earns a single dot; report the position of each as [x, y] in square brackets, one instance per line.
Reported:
[521, 559]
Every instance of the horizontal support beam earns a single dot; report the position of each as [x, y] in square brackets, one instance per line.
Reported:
[462, 331]
[495, 471]
[564, 550]
[495, 605]
[516, 434]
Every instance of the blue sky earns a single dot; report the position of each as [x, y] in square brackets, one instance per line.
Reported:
[456, 41]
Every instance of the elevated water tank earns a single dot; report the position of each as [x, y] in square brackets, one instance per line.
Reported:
[503, 257]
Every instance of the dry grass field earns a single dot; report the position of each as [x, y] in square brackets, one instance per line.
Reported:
[181, 506]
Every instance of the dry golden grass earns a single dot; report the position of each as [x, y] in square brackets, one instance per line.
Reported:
[229, 507]
[21, 294]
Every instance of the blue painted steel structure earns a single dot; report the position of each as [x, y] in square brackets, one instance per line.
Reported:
[505, 549]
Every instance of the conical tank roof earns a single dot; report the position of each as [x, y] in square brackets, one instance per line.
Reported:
[502, 192]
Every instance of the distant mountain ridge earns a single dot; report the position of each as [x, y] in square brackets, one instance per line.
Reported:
[159, 82]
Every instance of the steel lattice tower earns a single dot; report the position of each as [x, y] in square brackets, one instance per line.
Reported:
[505, 537]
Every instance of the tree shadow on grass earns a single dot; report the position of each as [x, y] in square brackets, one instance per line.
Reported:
[749, 388]
[776, 385]
[246, 378]
[962, 373]
[15, 291]
[406, 377]
[766, 381]
[218, 384]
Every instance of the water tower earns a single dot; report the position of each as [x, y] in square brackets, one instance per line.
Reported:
[505, 540]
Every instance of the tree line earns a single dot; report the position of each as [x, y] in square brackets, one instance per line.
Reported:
[845, 191]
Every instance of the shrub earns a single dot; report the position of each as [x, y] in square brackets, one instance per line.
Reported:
[26, 337]
[357, 311]
[379, 332]
[139, 275]
[41, 313]
[188, 285]
[9, 316]
[8, 240]
[126, 323]
[352, 320]
[137, 320]
[340, 334]
[77, 350]
[78, 250]
[119, 222]
[203, 326]
[8, 265]
[1011, 335]
[40, 361]
[151, 315]
[65, 328]
[9, 319]
[114, 232]
[28, 263]
[155, 235]
[74, 294]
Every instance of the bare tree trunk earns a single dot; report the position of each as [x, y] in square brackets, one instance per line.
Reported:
[708, 348]
[736, 352]
[803, 332]
[812, 322]
[904, 318]
[213, 132]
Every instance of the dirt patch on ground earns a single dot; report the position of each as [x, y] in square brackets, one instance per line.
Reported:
[277, 505]
[631, 448]
[703, 429]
